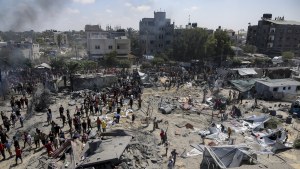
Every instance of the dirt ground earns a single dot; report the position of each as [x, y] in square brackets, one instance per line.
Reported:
[179, 138]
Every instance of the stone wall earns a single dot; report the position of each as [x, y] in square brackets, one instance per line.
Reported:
[92, 82]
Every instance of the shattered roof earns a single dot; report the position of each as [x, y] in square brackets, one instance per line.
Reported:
[243, 85]
[102, 151]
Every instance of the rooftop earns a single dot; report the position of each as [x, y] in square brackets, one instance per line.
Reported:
[283, 22]
[91, 28]
[279, 82]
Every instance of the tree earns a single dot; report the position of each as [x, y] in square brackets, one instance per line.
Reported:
[223, 44]
[124, 64]
[110, 60]
[59, 40]
[72, 68]
[57, 64]
[134, 41]
[287, 56]
[88, 65]
[189, 44]
[157, 61]
[162, 56]
[249, 48]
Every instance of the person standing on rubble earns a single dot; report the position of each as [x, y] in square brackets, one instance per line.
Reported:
[229, 131]
[99, 124]
[167, 147]
[84, 125]
[2, 150]
[103, 125]
[89, 123]
[170, 163]
[174, 155]
[131, 101]
[61, 111]
[49, 116]
[18, 155]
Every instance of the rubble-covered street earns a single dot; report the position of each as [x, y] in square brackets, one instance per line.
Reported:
[172, 121]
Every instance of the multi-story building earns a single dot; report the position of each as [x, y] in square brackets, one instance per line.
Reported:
[100, 43]
[63, 38]
[31, 51]
[272, 37]
[156, 34]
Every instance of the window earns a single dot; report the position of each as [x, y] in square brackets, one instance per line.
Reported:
[109, 47]
[275, 89]
[151, 42]
[283, 88]
[289, 88]
[298, 88]
[97, 47]
[118, 47]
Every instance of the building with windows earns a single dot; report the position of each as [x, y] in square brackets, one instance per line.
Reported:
[156, 34]
[31, 51]
[100, 43]
[272, 37]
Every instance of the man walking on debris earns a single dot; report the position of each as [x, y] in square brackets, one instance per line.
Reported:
[174, 154]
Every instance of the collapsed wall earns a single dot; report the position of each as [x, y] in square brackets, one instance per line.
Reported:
[91, 83]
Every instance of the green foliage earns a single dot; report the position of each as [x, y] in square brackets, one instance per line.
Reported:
[249, 48]
[89, 65]
[73, 67]
[110, 60]
[287, 55]
[197, 44]
[262, 61]
[222, 45]
[124, 63]
[57, 64]
[157, 61]
[236, 61]
[59, 39]
[162, 56]
[189, 44]
[146, 65]
[134, 41]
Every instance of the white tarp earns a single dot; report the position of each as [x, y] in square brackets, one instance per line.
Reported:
[193, 152]
[141, 74]
[246, 71]
[43, 65]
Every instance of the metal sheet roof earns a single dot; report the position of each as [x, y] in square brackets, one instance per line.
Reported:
[279, 82]
[246, 71]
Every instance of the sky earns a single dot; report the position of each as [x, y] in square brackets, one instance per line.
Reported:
[64, 15]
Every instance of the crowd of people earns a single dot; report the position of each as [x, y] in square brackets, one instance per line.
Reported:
[79, 120]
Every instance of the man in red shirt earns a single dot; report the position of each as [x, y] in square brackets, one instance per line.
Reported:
[2, 148]
[49, 148]
[18, 154]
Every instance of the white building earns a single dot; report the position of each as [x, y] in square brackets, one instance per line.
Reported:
[273, 86]
[100, 43]
[32, 52]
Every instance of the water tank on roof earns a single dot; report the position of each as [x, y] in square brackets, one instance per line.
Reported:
[267, 16]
